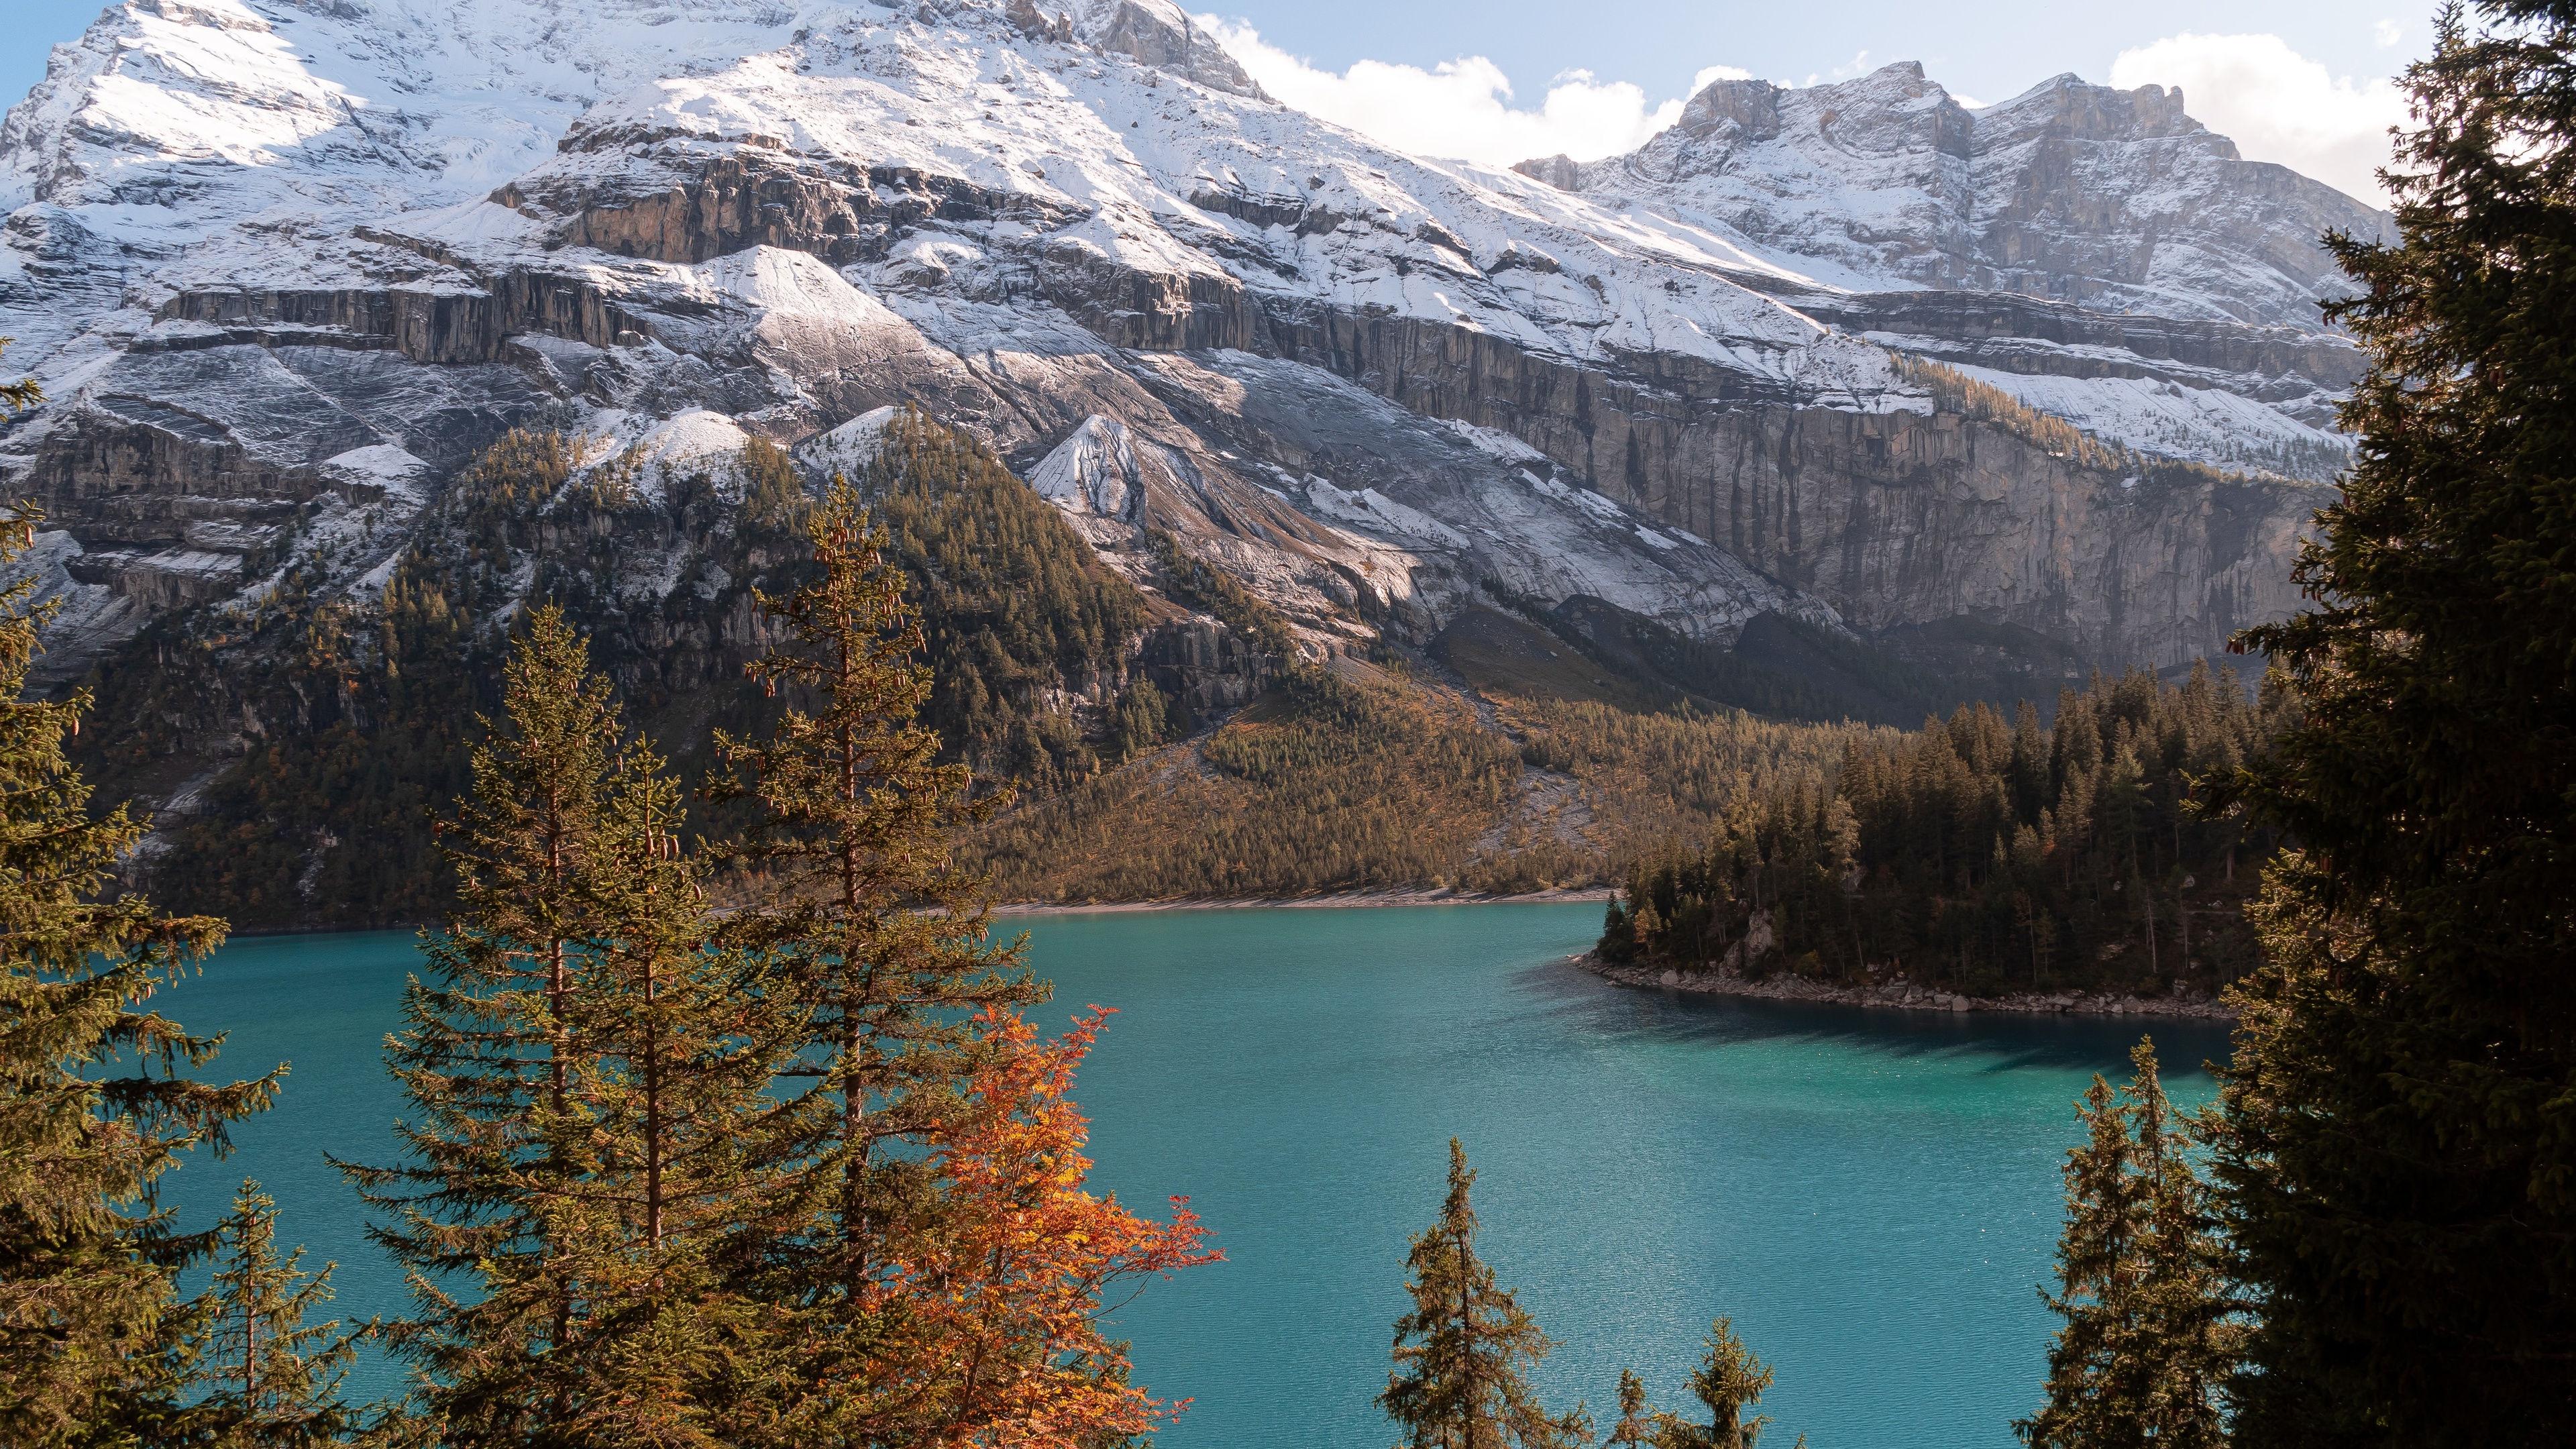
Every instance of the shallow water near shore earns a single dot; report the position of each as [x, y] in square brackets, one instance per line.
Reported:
[1872, 1196]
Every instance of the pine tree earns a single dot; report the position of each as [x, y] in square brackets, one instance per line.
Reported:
[679, 1143]
[488, 1058]
[2097, 1267]
[1462, 1353]
[272, 1379]
[1636, 1424]
[943, 1265]
[861, 910]
[1728, 1381]
[994, 1280]
[2400, 1170]
[93, 1347]
[2147, 1340]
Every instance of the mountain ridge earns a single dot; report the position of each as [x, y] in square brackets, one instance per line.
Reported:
[287, 269]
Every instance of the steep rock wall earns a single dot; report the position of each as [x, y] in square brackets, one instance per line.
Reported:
[1892, 517]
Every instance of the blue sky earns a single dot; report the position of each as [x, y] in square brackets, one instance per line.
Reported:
[1989, 50]
[2300, 81]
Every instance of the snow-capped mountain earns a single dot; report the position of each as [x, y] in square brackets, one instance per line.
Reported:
[283, 266]
[1881, 193]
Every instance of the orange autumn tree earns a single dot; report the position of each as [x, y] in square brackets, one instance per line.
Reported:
[934, 1262]
[1000, 1280]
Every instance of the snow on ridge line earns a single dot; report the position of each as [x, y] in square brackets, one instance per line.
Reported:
[848, 449]
[1021, 116]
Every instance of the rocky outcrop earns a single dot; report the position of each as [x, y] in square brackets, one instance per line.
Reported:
[1161, 34]
[677, 197]
[1153, 311]
[1205, 665]
[437, 325]
[2017, 333]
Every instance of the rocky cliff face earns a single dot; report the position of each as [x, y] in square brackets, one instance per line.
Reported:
[2095, 252]
[284, 268]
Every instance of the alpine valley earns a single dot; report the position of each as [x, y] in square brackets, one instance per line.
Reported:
[1261, 486]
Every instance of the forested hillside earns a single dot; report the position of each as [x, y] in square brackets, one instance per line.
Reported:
[295, 747]
[302, 745]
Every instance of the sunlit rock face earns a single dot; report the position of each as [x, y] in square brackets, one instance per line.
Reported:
[284, 268]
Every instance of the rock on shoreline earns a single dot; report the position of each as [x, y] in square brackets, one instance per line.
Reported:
[1903, 995]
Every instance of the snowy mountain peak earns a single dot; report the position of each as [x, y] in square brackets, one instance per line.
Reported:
[1156, 33]
[246, 238]
[2076, 192]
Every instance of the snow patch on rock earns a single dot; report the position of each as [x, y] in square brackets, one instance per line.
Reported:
[1093, 471]
[848, 449]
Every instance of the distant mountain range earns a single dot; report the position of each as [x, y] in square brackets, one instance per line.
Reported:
[2031, 388]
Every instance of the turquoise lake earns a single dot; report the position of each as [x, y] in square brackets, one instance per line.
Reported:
[1871, 1196]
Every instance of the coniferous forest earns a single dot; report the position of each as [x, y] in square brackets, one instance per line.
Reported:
[725, 1122]
[1986, 854]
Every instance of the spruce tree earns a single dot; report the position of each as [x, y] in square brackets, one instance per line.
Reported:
[590, 1082]
[94, 1348]
[1462, 1354]
[1728, 1381]
[860, 909]
[1636, 1424]
[2147, 1340]
[2400, 1167]
[271, 1380]
[679, 1143]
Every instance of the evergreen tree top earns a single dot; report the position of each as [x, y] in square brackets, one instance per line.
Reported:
[97, 1093]
[1462, 1354]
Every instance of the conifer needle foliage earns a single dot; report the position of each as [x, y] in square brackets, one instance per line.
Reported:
[878, 933]
[590, 1075]
[272, 1380]
[1995, 854]
[20, 394]
[2400, 1169]
[95, 1098]
[2149, 1338]
[1728, 1382]
[937, 1263]
[995, 1280]
[1013, 606]
[1462, 1355]
[793, 1176]
[1636, 1425]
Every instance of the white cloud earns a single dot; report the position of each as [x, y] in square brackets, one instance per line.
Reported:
[2276, 104]
[1463, 108]
[2386, 33]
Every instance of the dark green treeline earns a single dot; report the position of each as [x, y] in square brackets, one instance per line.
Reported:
[1986, 853]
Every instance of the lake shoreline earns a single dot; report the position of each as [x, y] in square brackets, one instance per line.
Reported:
[1333, 900]
[1901, 996]
[1329, 900]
